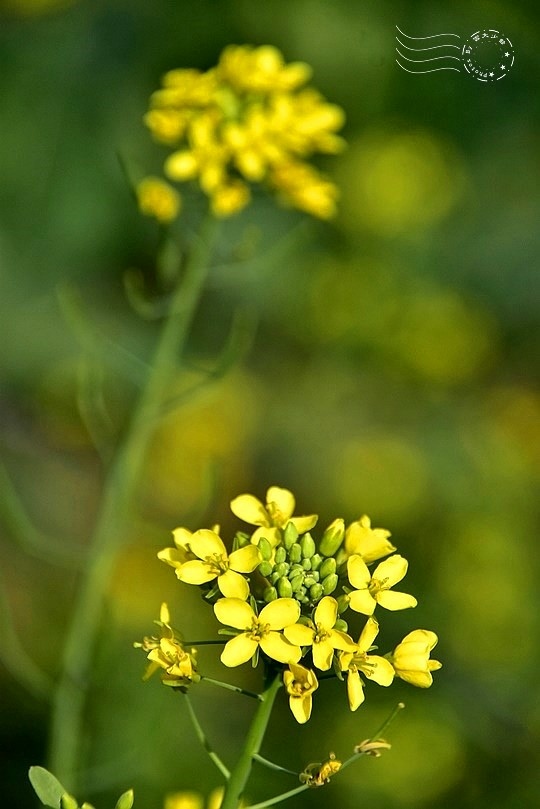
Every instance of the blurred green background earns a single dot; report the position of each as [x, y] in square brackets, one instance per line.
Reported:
[389, 367]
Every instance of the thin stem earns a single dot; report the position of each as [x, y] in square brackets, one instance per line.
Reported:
[272, 765]
[204, 741]
[230, 687]
[278, 798]
[111, 529]
[240, 773]
[375, 736]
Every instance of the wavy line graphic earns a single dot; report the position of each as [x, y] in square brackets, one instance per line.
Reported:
[425, 57]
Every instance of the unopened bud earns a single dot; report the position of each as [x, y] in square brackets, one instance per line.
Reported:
[282, 568]
[329, 583]
[284, 588]
[307, 544]
[342, 603]
[316, 560]
[265, 549]
[266, 568]
[295, 553]
[327, 567]
[316, 592]
[281, 554]
[341, 625]
[306, 564]
[332, 538]
[296, 582]
[270, 594]
[290, 535]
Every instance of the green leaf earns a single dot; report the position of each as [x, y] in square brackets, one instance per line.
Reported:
[48, 788]
[125, 801]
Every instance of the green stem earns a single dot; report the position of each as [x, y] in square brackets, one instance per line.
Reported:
[240, 774]
[204, 741]
[67, 724]
[278, 798]
[273, 766]
[229, 687]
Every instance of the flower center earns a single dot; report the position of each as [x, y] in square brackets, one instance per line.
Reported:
[320, 634]
[257, 631]
[376, 585]
[216, 564]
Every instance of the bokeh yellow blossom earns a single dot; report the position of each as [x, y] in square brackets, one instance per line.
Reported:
[248, 120]
[158, 199]
[410, 658]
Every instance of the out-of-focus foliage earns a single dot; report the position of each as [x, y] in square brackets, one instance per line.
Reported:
[393, 372]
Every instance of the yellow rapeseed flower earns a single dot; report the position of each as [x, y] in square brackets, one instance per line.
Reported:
[300, 684]
[248, 120]
[371, 590]
[373, 667]
[319, 774]
[410, 658]
[369, 543]
[275, 514]
[167, 653]
[258, 630]
[321, 636]
[158, 199]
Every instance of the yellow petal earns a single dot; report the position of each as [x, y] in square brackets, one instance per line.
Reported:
[250, 509]
[369, 633]
[280, 613]
[358, 573]
[299, 634]
[181, 166]
[370, 543]
[362, 601]
[195, 572]
[323, 652]
[278, 648]
[340, 640]
[421, 679]
[238, 650]
[301, 708]
[303, 524]
[391, 570]
[182, 537]
[245, 560]
[205, 543]
[234, 612]
[233, 585]
[172, 557]
[164, 614]
[379, 669]
[355, 690]
[391, 600]
[326, 612]
[283, 499]
[273, 535]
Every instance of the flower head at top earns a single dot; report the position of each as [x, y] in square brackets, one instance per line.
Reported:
[371, 590]
[212, 562]
[410, 658]
[359, 662]
[321, 635]
[274, 515]
[248, 120]
[261, 630]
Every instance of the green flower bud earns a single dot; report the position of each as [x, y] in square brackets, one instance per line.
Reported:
[327, 567]
[270, 594]
[307, 544]
[301, 593]
[332, 538]
[241, 540]
[284, 588]
[281, 555]
[295, 570]
[282, 569]
[341, 625]
[275, 576]
[329, 583]
[342, 602]
[316, 560]
[309, 580]
[315, 575]
[295, 553]
[316, 592]
[296, 582]
[67, 801]
[306, 564]
[266, 568]
[265, 549]
[290, 535]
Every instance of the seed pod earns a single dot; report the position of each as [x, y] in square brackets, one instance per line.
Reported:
[284, 588]
[316, 592]
[282, 569]
[265, 568]
[329, 583]
[332, 538]
[295, 553]
[296, 583]
[316, 560]
[307, 544]
[270, 594]
[265, 549]
[281, 555]
[327, 567]
[306, 564]
[290, 535]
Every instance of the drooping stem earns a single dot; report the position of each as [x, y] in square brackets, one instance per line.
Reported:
[240, 773]
[204, 741]
[67, 724]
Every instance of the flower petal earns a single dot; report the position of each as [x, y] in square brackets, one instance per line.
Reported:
[195, 572]
[303, 524]
[391, 600]
[238, 650]
[280, 613]
[362, 601]
[233, 585]
[340, 640]
[182, 537]
[301, 708]
[355, 690]
[273, 535]
[391, 570]
[245, 560]
[172, 556]
[283, 500]
[205, 543]
[379, 669]
[278, 648]
[357, 570]
[369, 633]
[370, 543]
[323, 652]
[299, 634]
[326, 612]
[234, 612]
[250, 509]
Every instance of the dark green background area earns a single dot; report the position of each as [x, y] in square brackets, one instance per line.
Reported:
[388, 366]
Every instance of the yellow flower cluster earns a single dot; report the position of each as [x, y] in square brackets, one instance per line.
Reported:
[284, 598]
[248, 120]
[179, 667]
